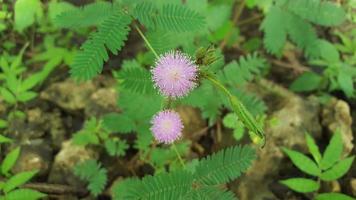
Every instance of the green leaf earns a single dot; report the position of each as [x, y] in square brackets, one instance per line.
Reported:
[110, 36]
[275, 30]
[224, 166]
[333, 196]
[4, 139]
[26, 96]
[308, 81]
[86, 16]
[333, 151]
[18, 180]
[338, 170]
[320, 12]
[3, 123]
[302, 185]
[230, 120]
[303, 162]
[116, 122]
[346, 83]
[10, 160]
[163, 186]
[26, 11]
[134, 77]
[170, 17]
[7, 95]
[27, 194]
[84, 138]
[313, 148]
[97, 183]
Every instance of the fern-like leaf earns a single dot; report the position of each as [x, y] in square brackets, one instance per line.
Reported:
[211, 193]
[135, 78]
[274, 28]
[92, 172]
[111, 35]
[302, 33]
[170, 17]
[86, 16]
[318, 12]
[245, 70]
[164, 186]
[224, 166]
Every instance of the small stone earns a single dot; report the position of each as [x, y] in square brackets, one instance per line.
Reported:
[68, 94]
[36, 155]
[102, 101]
[336, 116]
[353, 186]
[64, 162]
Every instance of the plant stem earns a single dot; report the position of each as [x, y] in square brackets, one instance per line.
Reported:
[146, 41]
[217, 83]
[178, 155]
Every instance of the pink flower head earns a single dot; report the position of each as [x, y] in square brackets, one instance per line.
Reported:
[174, 74]
[167, 126]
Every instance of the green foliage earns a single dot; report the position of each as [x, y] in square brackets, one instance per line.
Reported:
[333, 196]
[135, 78]
[216, 169]
[308, 81]
[26, 12]
[94, 174]
[9, 161]
[110, 35]
[168, 17]
[9, 187]
[97, 132]
[224, 166]
[302, 185]
[328, 167]
[90, 15]
[319, 12]
[245, 70]
[293, 18]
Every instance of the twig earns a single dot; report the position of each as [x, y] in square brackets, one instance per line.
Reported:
[297, 68]
[49, 188]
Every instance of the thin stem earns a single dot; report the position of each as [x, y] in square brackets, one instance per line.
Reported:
[146, 41]
[178, 155]
[217, 83]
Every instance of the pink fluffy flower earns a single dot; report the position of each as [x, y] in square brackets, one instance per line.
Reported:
[175, 74]
[167, 126]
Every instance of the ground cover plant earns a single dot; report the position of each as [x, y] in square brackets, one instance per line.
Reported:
[171, 99]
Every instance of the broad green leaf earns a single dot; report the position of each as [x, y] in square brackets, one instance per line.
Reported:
[10, 160]
[7, 96]
[301, 184]
[239, 131]
[27, 194]
[26, 96]
[338, 170]
[313, 148]
[303, 162]
[333, 151]
[26, 11]
[84, 138]
[333, 196]
[4, 139]
[230, 120]
[345, 81]
[308, 81]
[3, 123]
[18, 180]
[328, 51]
